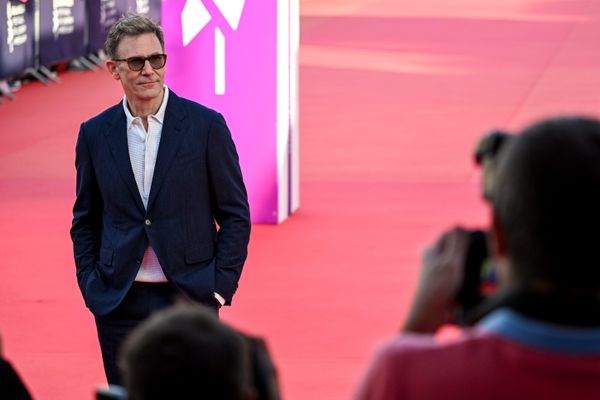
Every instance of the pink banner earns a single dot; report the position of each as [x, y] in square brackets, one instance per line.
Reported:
[223, 54]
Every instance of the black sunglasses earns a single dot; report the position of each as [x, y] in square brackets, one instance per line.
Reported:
[157, 61]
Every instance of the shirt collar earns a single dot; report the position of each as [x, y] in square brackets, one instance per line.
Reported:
[160, 114]
[542, 335]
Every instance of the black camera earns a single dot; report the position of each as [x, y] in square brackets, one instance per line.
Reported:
[479, 277]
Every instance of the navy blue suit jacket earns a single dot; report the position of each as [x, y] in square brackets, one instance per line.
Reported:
[197, 184]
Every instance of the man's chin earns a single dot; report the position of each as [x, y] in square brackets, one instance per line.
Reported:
[149, 93]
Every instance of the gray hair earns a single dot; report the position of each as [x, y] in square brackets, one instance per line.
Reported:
[131, 25]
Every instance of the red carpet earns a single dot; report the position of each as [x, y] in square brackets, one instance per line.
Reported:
[393, 97]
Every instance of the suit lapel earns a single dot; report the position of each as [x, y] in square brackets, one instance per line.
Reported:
[116, 135]
[172, 134]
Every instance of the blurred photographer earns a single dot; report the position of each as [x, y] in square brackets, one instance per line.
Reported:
[185, 352]
[538, 336]
[11, 385]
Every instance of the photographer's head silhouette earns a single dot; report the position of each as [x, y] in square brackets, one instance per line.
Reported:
[545, 201]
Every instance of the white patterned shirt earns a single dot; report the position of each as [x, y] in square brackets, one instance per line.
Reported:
[143, 149]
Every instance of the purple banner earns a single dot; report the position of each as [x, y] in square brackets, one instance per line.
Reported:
[16, 37]
[62, 31]
[148, 8]
[102, 14]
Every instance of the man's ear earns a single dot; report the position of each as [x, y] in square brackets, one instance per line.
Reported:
[112, 69]
[498, 238]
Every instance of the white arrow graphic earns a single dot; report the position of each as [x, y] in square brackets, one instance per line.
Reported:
[231, 10]
[195, 17]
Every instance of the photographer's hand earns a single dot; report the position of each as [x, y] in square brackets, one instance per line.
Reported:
[441, 274]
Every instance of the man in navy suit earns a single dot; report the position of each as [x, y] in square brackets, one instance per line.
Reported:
[156, 174]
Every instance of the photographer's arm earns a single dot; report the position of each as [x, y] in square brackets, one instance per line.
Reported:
[441, 274]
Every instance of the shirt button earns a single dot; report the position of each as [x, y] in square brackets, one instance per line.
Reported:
[148, 222]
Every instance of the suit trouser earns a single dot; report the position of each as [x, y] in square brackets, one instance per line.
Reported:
[141, 301]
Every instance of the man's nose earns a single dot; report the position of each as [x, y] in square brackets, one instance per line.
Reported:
[147, 70]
